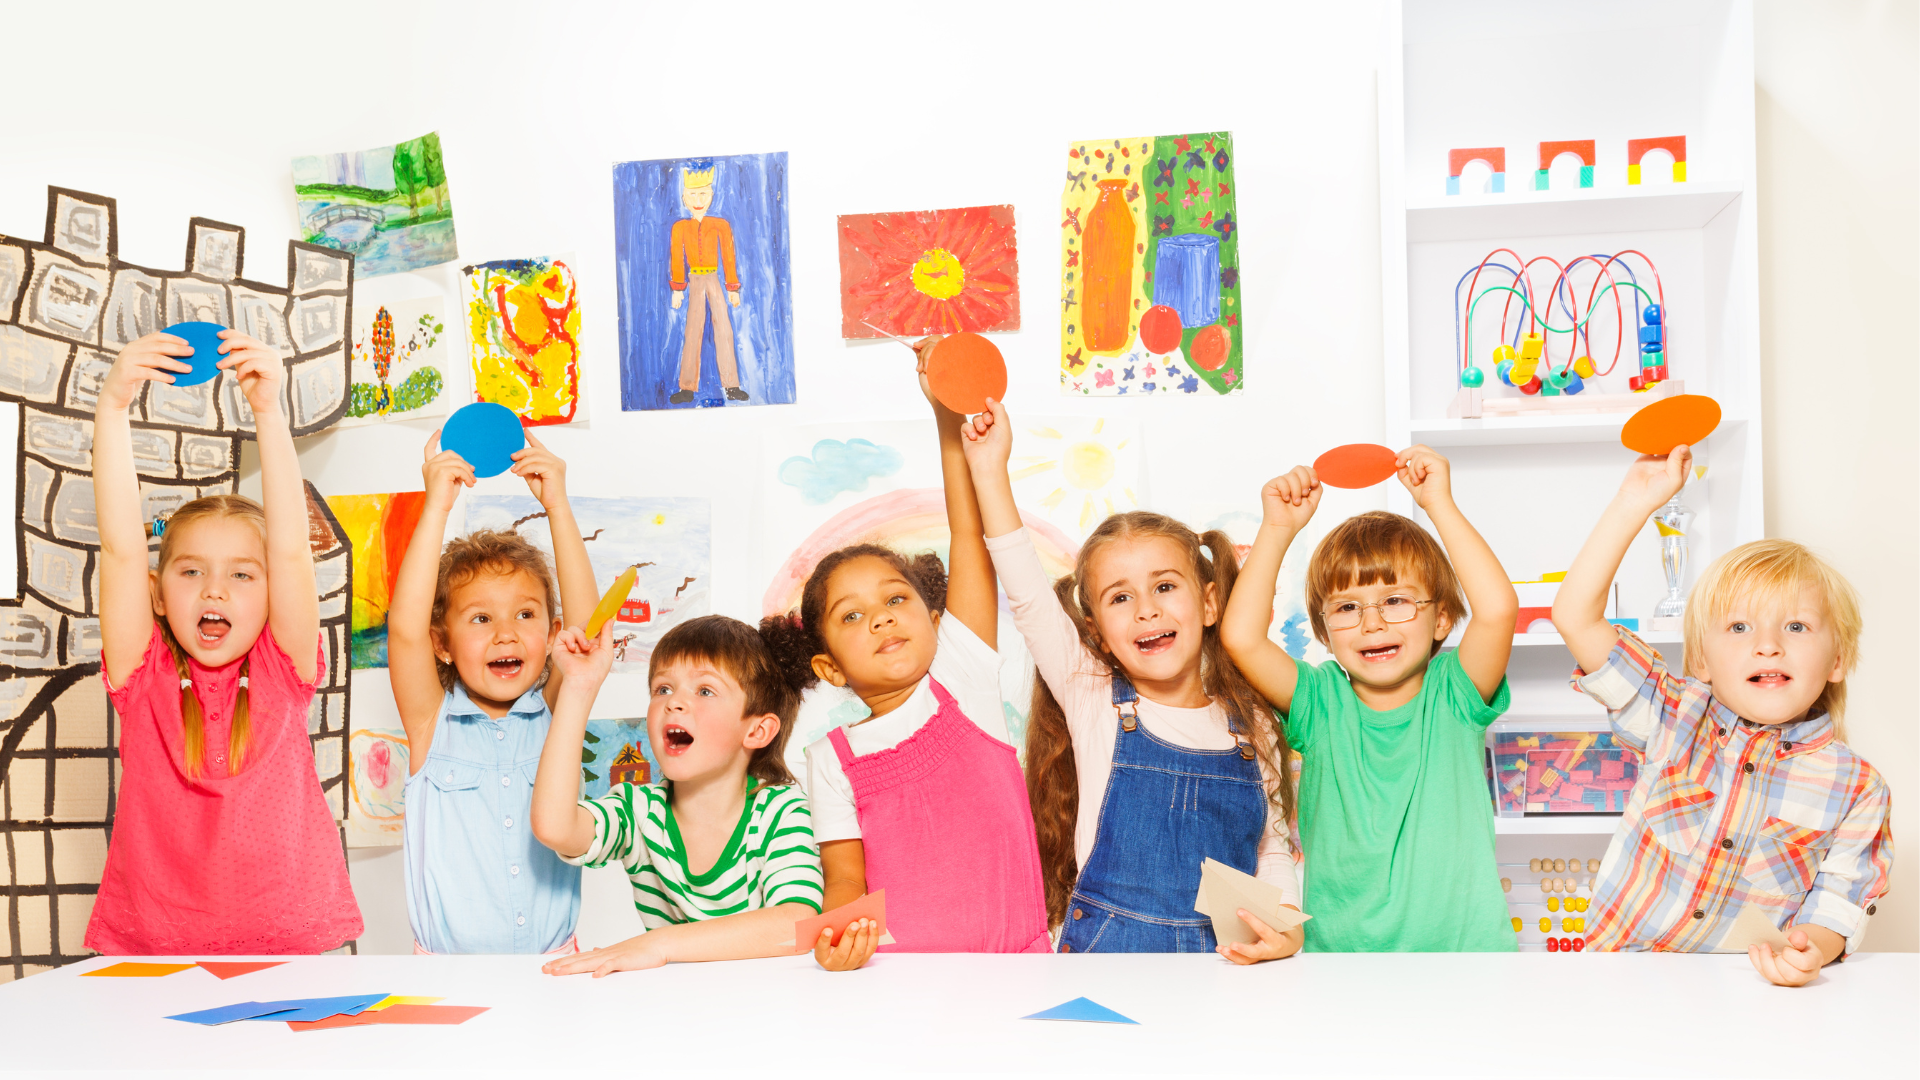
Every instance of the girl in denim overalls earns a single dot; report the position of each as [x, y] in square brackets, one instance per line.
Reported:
[1147, 751]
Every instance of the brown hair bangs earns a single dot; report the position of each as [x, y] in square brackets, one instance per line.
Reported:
[1377, 548]
[740, 651]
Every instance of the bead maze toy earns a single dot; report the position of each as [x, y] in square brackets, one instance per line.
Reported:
[1523, 354]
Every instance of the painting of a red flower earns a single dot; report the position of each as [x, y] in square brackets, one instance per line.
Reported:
[928, 272]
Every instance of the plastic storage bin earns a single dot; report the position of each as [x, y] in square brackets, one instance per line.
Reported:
[1549, 768]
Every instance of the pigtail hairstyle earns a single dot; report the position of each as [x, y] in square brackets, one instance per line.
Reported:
[192, 721]
[1053, 781]
[795, 637]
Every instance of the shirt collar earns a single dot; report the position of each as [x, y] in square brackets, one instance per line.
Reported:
[531, 703]
[1799, 737]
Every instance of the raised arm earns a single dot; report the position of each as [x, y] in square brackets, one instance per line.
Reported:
[1580, 604]
[1287, 503]
[973, 596]
[293, 608]
[126, 601]
[558, 819]
[546, 477]
[1488, 640]
[410, 658]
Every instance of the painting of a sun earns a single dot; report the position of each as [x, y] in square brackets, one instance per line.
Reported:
[1076, 471]
[928, 272]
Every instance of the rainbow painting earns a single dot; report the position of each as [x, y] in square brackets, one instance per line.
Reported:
[380, 527]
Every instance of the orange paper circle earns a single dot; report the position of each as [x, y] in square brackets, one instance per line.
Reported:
[1160, 329]
[1669, 422]
[965, 370]
[1356, 465]
[1210, 347]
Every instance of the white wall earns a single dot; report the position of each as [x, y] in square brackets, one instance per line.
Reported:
[892, 107]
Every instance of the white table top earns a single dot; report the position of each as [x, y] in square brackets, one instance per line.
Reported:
[1533, 1015]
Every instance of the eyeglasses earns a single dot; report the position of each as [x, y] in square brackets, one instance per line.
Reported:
[1394, 609]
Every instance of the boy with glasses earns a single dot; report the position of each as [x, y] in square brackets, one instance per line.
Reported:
[1395, 821]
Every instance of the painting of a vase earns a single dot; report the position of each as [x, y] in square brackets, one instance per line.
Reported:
[1108, 248]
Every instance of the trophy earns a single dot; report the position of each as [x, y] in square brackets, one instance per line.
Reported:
[1672, 520]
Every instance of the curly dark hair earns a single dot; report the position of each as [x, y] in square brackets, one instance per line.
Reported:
[795, 637]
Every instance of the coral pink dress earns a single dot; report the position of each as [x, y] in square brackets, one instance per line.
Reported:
[219, 864]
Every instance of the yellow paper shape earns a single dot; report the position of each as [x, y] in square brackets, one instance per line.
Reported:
[130, 970]
[400, 1000]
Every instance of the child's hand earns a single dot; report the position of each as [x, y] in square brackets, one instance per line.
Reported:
[154, 358]
[1655, 478]
[633, 954]
[1425, 475]
[1272, 945]
[445, 472]
[1795, 967]
[544, 472]
[257, 367]
[855, 948]
[582, 663]
[987, 439]
[1289, 500]
[921, 350]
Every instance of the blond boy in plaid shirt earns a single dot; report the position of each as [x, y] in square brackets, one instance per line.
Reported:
[1747, 798]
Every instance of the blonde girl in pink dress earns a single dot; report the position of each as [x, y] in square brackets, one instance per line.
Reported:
[222, 842]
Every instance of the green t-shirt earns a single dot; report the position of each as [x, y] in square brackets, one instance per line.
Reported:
[1395, 819]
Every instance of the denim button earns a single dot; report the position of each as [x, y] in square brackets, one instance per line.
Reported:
[1066, 948]
[506, 781]
[514, 870]
[509, 823]
[1077, 913]
[499, 734]
[521, 921]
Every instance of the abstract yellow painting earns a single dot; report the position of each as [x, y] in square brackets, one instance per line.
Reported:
[523, 323]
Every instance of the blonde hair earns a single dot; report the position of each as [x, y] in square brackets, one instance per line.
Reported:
[1771, 573]
[1375, 548]
[486, 551]
[193, 724]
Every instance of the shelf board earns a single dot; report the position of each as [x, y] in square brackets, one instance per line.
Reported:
[1557, 825]
[1522, 641]
[1558, 213]
[1519, 430]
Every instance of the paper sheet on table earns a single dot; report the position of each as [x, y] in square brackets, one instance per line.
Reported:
[396, 1014]
[132, 970]
[1752, 927]
[392, 1001]
[1224, 891]
[871, 906]
[1083, 1010]
[227, 969]
[245, 1010]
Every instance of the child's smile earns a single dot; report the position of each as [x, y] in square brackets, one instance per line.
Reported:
[1386, 660]
[496, 637]
[1151, 614]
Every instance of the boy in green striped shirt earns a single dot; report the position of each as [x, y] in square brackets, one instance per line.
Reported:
[720, 851]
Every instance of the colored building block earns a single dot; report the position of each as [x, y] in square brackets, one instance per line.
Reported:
[1672, 144]
[1551, 152]
[1495, 158]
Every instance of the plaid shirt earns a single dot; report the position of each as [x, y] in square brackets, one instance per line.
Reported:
[1729, 813]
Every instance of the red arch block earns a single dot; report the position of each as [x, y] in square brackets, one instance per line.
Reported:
[1494, 156]
[1672, 144]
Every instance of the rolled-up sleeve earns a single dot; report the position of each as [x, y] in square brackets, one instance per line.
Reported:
[1635, 688]
[1853, 874]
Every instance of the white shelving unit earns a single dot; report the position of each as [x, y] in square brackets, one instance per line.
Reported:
[1474, 73]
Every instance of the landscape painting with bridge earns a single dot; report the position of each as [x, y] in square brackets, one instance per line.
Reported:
[388, 206]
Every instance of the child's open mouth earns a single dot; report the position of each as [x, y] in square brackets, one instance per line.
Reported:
[506, 667]
[1771, 680]
[1379, 653]
[678, 740]
[213, 628]
[1154, 644]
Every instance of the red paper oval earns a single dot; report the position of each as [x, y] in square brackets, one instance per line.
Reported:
[1356, 465]
[965, 370]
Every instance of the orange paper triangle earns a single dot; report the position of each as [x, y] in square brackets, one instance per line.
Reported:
[227, 969]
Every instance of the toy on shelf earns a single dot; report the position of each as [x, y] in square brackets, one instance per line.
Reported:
[1675, 145]
[1559, 772]
[1527, 357]
[1495, 158]
[1551, 151]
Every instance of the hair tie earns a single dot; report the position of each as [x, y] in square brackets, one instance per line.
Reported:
[243, 682]
[186, 684]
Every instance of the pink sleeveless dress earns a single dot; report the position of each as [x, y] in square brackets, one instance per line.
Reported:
[215, 864]
[948, 833]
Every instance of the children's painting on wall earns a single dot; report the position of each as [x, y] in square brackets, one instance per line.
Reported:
[1075, 471]
[670, 540]
[705, 282]
[928, 272]
[523, 328]
[380, 527]
[388, 205]
[616, 752]
[399, 362]
[1150, 267]
[377, 772]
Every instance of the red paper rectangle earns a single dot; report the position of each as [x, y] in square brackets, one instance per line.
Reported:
[871, 906]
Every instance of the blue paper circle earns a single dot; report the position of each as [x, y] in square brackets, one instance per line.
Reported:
[205, 339]
[486, 435]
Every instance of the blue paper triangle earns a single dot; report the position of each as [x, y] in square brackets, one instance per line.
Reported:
[1083, 1010]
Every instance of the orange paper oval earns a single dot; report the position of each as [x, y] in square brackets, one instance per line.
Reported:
[1665, 424]
[965, 370]
[1210, 347]
[1356, 465]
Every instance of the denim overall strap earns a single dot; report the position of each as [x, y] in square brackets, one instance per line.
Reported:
[1166, 808]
